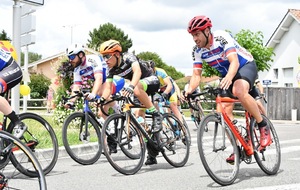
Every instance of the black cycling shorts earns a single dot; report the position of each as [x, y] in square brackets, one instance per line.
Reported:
[248, 72]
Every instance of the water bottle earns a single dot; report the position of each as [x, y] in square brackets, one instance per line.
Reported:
[142, 122]
[240, 126]
[161, 109]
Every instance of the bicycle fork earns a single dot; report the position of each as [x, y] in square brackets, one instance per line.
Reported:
[222, 147]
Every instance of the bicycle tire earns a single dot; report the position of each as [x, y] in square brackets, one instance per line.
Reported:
[187, 130]
[213, 152]
[41, 139]
[9, 177]
[85, 150]
[129, 148]
[268, 160]
[199, 114]
[175, 140]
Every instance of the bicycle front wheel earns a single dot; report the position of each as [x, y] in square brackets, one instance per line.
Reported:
[82, 143]
[175, 140]
[269, 158]
[10, 178]
[41, 139]
[123, 145]
[215, 144]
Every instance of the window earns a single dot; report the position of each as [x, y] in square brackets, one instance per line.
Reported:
[275, 73]
[288, 84]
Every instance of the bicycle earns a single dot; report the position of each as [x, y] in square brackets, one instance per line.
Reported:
[39, 137]
[13, 149]
[81, 133]
[216, 138]
[128, 140]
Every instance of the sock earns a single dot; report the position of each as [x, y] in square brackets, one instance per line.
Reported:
[152, 109]
[13, 117]
[263, 123]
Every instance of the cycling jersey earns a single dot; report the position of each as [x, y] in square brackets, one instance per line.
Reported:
[92, 64]
[10, 71]
[223, 45]
[161, 75]
[5, 58]
[125, 68]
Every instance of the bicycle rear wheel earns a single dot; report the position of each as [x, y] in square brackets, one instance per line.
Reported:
[269, 159]
[215, 144]
[124, 147]
[41, 139]
[175, 140]
[10, 178]
[83, 146]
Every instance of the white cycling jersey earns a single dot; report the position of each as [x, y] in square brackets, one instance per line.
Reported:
[93, 64]
[223, 45]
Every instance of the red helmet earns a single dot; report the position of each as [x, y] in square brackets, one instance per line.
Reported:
[199, 23]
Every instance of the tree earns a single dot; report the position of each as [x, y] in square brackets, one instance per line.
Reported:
[106, 32]
[159, 63]
[32, 57]
[39, 85]
[253, 42]
[3, 36]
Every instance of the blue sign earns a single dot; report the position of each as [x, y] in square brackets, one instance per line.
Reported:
[267, 82]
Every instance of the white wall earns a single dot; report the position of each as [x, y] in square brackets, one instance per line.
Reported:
[287, 53]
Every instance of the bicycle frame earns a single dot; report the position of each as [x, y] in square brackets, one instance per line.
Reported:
[129, 117]
[245, 142]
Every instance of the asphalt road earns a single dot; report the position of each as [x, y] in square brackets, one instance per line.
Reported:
[67, 174]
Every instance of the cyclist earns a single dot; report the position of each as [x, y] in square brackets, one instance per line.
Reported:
[235, 64]
[92, 67]
[167, 89]
[10, 75]
[142, 82]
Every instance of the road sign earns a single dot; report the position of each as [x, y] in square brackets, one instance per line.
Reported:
[267, 82]
[34, 2]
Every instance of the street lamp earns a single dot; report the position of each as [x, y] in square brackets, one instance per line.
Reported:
[71, 27]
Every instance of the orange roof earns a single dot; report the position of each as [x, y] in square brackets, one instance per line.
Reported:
[295, 12]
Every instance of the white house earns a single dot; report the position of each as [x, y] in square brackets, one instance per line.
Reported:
[285, 70]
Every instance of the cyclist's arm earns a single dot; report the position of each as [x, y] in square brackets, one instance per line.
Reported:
[194, 81]
[137, 73]
[107, 88]
[232, 70]
[97, 83]
[169, 85]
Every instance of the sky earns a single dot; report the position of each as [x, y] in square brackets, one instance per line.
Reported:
[153, 25]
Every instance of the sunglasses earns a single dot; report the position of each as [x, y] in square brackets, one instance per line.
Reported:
[71, 57]
[107, 56]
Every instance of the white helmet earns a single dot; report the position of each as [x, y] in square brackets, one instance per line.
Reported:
[74, 49]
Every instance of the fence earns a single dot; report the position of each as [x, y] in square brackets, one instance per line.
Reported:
[35, 104]
[281, 102]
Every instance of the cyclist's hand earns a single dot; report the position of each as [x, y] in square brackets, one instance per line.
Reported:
[128, 91]
[165, 96]
[90, 96]
[186, 95]
[69, 105]
[225, 83]
[102, 100]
